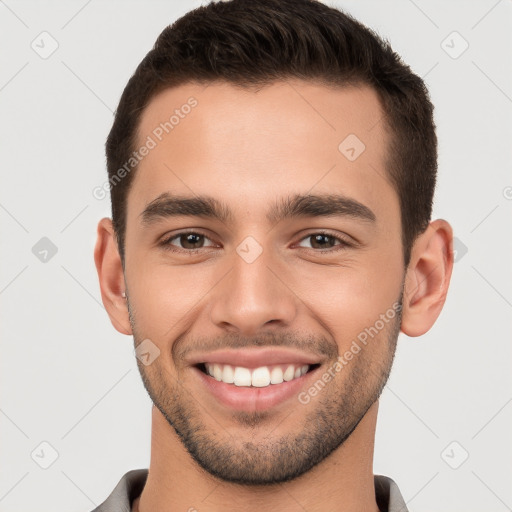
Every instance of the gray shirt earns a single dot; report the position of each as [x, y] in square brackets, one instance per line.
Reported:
[389, 498]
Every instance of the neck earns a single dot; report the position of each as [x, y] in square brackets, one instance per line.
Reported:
[343, 481]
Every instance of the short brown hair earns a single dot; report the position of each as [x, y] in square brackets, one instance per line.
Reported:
[255, 43]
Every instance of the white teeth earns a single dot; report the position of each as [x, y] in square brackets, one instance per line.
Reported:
[217, 372]
[276, 375]
[228, 375]
[259, 377]
[289, 373]
[242, 376]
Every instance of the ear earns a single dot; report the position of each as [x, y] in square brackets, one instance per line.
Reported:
[427, 279]
[111, 276]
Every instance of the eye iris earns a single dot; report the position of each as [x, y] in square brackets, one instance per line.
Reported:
[319, 238]
[191, 238]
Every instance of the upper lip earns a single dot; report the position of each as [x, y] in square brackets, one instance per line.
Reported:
[255, 357]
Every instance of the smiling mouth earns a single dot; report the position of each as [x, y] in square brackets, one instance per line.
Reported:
[260, 377]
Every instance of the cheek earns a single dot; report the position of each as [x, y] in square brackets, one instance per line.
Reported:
[164, 297]
[348, 300]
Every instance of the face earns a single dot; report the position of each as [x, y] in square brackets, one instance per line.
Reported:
[262, 247]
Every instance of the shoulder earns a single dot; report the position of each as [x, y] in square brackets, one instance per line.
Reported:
[125, 492]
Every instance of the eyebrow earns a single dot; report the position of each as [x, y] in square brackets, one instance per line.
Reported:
[299, 205]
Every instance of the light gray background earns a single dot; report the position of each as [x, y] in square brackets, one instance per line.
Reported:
[69, 379]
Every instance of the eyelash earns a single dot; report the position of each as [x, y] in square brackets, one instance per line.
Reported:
[343, 245]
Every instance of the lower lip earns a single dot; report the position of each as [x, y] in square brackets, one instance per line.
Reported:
[245, 398]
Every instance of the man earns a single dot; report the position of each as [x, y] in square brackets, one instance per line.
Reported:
[272, 166]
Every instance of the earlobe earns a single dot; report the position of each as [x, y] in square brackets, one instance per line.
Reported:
[111, 276]
[428, 278]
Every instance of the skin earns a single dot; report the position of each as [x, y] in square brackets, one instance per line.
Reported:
[249, 149]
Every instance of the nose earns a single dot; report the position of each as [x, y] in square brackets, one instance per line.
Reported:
[253, 298]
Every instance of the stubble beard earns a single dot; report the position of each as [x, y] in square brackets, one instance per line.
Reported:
[332, 417]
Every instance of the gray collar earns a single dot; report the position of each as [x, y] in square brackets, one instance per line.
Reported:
[389, 498]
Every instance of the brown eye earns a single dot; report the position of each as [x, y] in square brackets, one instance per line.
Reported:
[323, 241]
[189, 241]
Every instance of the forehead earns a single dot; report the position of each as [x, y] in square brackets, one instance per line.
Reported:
[250, 146]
